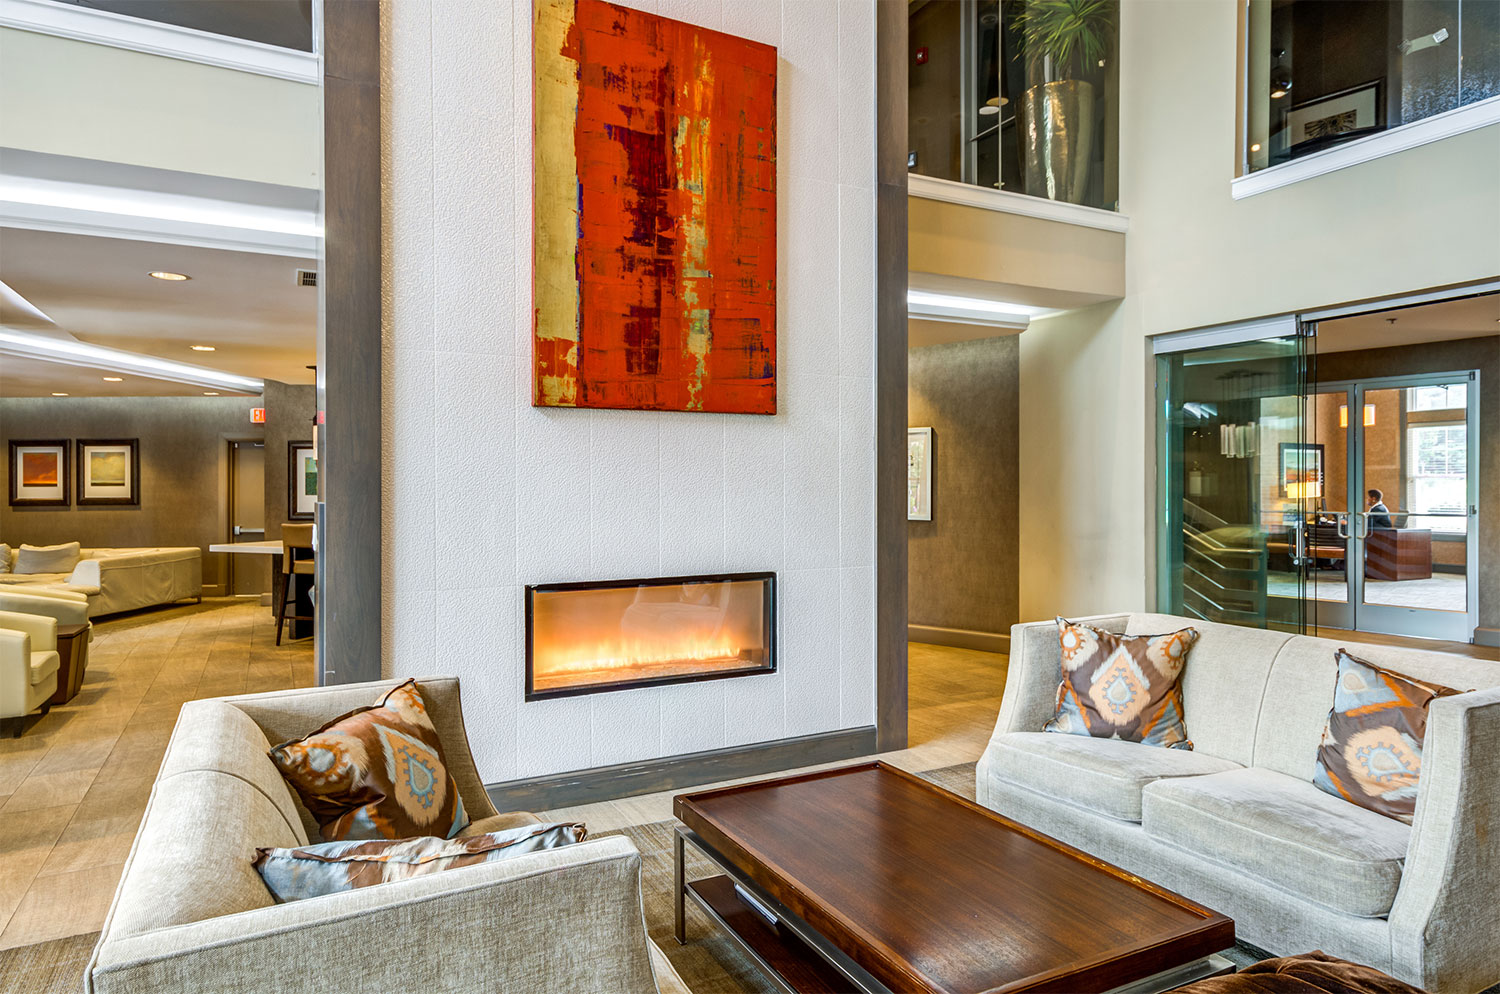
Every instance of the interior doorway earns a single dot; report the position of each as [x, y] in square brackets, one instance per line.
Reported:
[1329, 470]
[248, 575]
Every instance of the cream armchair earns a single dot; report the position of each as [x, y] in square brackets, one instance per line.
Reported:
[28, 667]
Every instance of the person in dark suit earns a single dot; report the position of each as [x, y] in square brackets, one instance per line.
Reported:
[1380, 515]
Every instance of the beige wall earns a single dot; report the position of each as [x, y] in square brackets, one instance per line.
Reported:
[1194, 256]
[96, 102]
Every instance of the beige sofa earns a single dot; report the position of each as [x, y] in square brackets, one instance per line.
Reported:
[191, 914]
[117, 580]
[1237, 823]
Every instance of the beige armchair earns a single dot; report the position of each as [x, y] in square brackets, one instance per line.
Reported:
[28, 667]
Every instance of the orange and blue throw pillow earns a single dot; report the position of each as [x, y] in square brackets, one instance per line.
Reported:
[1371, 752]
[335, 867]
[1122, 686]
[376, 773]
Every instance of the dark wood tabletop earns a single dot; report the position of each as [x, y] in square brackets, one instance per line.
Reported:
[931, 892]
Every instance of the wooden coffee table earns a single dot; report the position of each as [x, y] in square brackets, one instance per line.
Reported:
[868, 878]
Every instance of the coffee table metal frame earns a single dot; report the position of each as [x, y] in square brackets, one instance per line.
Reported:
[859, 979]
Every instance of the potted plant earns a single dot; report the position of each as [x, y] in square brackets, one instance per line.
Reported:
[1061, 41]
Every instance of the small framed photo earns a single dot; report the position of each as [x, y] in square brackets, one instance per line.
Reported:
[919, 474]
[1301, 470]
[109, 471]
[1335, 118]
[302, 480]
[39, 473]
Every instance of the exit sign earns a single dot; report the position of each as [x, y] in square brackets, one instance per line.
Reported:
[257, 415]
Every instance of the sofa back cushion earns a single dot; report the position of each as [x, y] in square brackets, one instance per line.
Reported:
[1300, 693]
[212, 735]
[1222, 682]
[193, 854]
[47, 558]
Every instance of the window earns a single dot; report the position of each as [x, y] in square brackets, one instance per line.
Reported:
[1450, 397]
[1437, 479]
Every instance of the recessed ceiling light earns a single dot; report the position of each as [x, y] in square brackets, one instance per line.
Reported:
[1277, 94]
[1255, 147]
[201, 348]
[210, 393]
[114, 379]
[160, 274]
[59, 395]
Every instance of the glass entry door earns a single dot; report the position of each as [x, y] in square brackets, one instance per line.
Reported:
[1238, 481]
[1401, 506]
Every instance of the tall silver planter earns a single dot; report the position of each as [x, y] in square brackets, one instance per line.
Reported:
[1058, 121]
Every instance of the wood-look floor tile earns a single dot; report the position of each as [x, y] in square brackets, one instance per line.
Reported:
[47, 790]
[62, 904]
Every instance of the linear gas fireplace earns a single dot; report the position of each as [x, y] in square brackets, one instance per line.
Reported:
[582, 638]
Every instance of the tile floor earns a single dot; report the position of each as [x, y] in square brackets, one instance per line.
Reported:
[74, 785]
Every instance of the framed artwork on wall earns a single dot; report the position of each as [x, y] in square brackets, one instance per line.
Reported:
[1301, 470]
[919, 474]
[301, 480]
[39, 473]
[109, 471]
[654, 241]
[1335, 118]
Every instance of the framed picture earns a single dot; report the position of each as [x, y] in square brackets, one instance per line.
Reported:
[1301, 470]
[39, 473]
[301, 480]
[109, 471]
[1335, 118]
[919, 474]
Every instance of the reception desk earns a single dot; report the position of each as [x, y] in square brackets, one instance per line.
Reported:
[1398, 554]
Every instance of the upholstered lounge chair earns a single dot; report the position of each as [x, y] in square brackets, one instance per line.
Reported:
[28, 668]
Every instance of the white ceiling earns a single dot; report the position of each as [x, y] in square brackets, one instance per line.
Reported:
[1471, 317]
[26, 377]
[245, 304]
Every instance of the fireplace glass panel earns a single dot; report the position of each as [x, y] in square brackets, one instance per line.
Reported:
[582, 638]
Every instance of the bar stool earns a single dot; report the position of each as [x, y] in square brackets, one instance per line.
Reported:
[294, 539]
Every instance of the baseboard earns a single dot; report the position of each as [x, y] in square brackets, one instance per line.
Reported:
[605, 783]
[959, 638]
[1487, 636]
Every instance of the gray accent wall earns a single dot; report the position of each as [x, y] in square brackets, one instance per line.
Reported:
[290, 410]
[184, 471]
[963, 564]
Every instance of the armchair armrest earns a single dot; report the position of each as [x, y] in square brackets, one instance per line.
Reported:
[43, 630]
[15, 672]
[563, 920]
[1445, 923]
[1035, 670]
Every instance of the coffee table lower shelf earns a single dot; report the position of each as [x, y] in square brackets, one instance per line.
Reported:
[781, 954]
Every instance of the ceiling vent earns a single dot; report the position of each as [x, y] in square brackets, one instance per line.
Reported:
[307, 277]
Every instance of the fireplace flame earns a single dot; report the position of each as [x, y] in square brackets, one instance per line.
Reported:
[621, 654]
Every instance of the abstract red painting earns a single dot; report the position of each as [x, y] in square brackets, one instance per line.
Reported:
[654, 281]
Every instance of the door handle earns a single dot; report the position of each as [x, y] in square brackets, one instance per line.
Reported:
[1299, 552]
[1343, 523]
[1362, 532]
[238, 530]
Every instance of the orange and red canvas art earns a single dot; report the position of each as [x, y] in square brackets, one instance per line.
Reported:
[654, 282]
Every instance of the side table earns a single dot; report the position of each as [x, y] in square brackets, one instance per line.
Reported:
[73, 659]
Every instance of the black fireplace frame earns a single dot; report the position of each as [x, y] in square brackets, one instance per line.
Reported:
[768, 593]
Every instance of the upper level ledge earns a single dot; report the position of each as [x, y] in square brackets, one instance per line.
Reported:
[102, 27]
[1006, 202]
[1430, 129]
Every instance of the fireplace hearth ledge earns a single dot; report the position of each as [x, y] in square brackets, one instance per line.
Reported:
[647, 776]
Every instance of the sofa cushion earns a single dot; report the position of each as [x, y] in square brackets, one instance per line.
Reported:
[4, 558]
[499, 823]
[193, 852]
[376, 773]
[335, 867]
[1122, 686]
[1102, 775]
[1286, 832]
[33, 559]
[1371, 753]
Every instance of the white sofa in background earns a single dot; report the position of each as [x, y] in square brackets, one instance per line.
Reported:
[192, 914]
[28, 667]
[1237, 824]
[116, 580]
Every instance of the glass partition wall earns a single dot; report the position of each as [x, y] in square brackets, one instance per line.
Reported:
[1319, 73]
[1016, 95]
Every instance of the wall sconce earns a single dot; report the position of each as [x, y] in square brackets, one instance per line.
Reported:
[1344, 415]
[1304, 491]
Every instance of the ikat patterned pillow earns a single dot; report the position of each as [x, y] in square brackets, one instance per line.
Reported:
[1371, 753]
[335, 867]
[376, 773]
[1122, 686]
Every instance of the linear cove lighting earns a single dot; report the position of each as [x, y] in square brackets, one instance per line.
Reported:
[201, 348]
[160, 206]
[114, 379]
[929, 299]
[72, 352]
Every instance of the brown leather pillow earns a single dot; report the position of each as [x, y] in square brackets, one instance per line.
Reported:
[376, 773]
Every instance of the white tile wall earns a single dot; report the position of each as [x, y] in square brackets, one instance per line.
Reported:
[485, 493]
